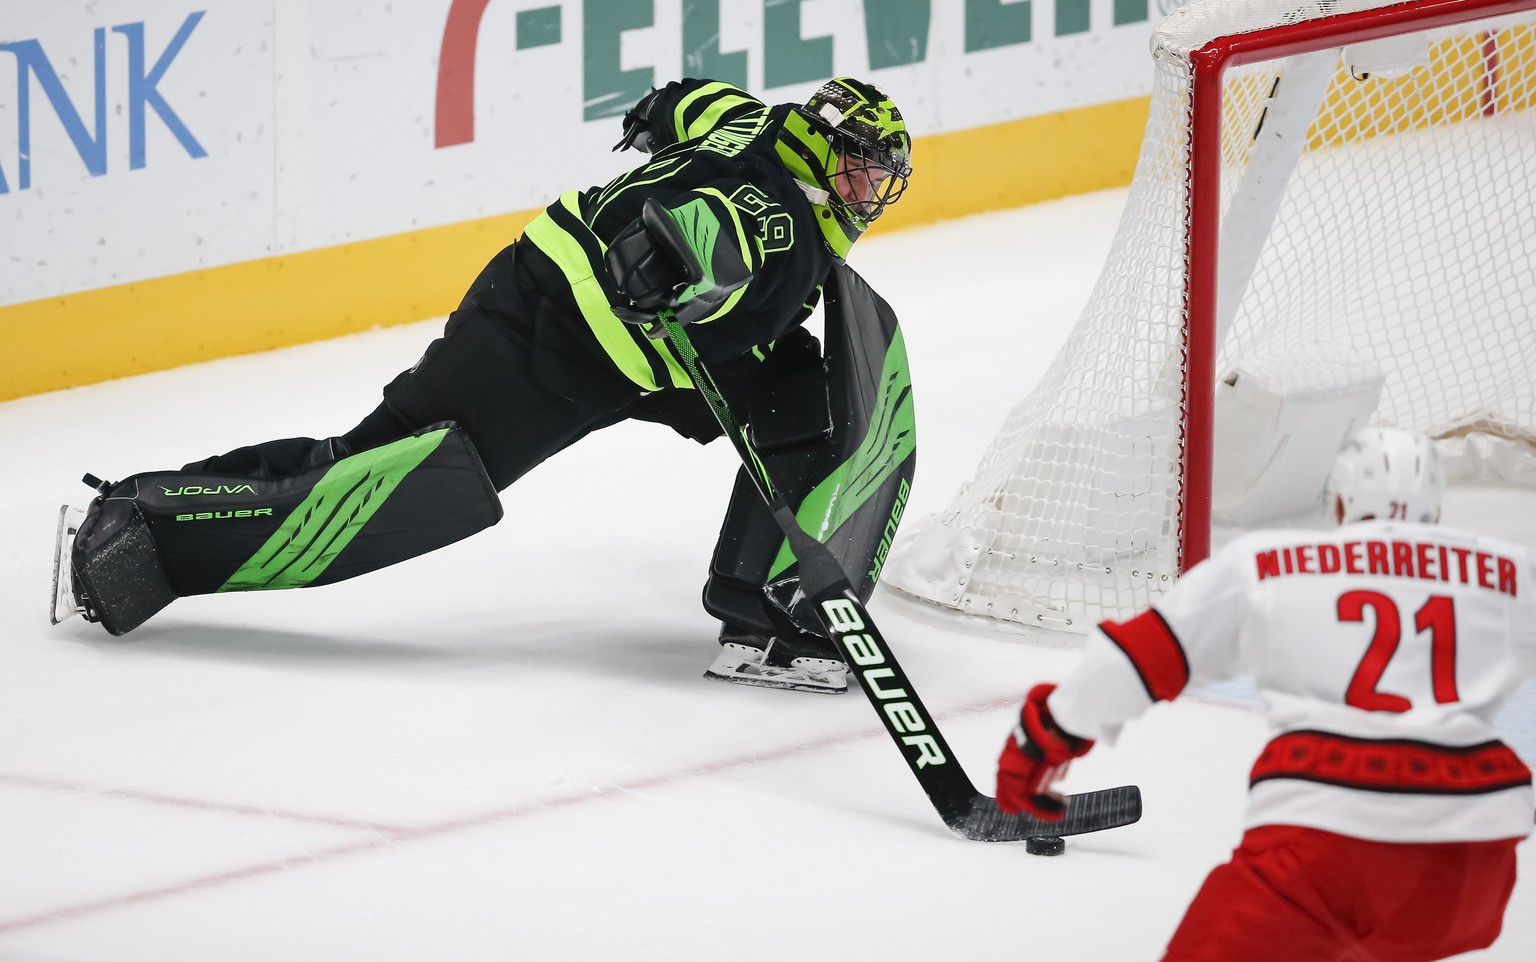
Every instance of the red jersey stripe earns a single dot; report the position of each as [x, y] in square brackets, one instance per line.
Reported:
[1391, 765]
[1154, 651]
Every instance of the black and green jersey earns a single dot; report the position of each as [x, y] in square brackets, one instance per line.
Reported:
[712, 143]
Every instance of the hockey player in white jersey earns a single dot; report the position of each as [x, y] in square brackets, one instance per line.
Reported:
[1384, 812]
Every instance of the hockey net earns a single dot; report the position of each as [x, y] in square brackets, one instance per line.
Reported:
[1401, 229]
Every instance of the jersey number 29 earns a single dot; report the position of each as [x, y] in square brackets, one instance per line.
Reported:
[1437, 616]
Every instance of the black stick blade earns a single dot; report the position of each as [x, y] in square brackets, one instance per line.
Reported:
[1087, 812]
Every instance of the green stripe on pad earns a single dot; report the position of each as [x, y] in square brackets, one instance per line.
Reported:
[891, 439]
[337, 508]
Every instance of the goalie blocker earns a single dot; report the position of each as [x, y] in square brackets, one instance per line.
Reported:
[158, 536]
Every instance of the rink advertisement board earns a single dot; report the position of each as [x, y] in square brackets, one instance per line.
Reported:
[273, 171]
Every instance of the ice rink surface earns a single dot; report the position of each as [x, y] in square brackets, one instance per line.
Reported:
[506, 750]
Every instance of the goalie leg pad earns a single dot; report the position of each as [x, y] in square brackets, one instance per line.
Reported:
[161, 535]
[841, 450]
[744, 588]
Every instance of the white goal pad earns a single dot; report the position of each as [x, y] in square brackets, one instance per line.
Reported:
[1345, 172]
[1280, 422]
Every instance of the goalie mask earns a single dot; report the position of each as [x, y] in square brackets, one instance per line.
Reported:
[849, 143]
[1387, 474]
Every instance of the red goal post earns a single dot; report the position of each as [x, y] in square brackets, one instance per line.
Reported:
[1322, 184]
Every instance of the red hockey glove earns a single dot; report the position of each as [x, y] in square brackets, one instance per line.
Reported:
[1035, 756]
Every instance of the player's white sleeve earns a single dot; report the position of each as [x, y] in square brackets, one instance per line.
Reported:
[1190, 637]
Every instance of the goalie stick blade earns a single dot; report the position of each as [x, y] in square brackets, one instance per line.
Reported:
[1087, 812]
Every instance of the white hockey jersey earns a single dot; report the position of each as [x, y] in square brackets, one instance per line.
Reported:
[1382, 651]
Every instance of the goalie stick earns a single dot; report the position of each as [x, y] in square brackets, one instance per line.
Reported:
[967, 812]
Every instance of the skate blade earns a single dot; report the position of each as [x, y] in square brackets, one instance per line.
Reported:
[730, 666]
[64, 606]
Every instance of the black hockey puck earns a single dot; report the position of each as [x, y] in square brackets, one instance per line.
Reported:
[1044, 845]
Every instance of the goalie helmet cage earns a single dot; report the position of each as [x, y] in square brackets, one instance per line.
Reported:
[1363, 174]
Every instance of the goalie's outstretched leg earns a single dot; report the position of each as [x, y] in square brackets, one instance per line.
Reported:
[152, 538]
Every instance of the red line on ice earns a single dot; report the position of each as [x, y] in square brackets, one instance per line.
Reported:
[385, 836]
[156, 798]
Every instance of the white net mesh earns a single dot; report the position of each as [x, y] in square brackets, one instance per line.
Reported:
[1406, 234]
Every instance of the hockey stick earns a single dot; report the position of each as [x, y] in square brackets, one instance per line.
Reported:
[967, 812]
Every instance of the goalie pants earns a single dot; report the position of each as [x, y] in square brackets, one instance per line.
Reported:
[1292, 894]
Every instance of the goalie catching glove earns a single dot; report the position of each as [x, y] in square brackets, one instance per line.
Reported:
[689, 260]
[1034, 758]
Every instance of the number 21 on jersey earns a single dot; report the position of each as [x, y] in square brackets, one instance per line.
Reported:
[1436, 616]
